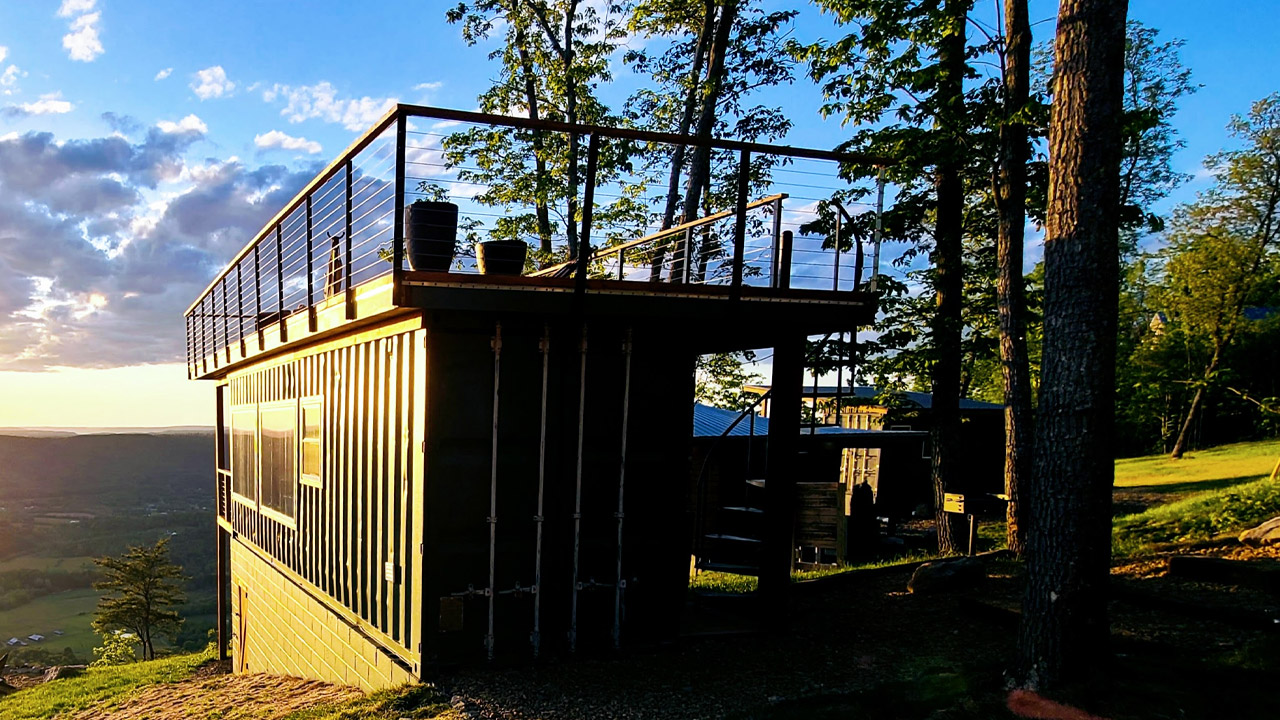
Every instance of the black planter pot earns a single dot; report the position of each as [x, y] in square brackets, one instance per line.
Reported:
[501, 257]
[430, 235]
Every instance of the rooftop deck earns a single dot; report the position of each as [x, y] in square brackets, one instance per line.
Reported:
[333, 259]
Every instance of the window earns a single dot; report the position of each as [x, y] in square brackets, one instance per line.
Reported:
[244, 453]
[279, 453]
[310, 440]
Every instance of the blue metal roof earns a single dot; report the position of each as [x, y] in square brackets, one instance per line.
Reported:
[711, 421]
[866, 392]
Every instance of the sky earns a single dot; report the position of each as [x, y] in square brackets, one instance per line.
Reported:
[143, 143]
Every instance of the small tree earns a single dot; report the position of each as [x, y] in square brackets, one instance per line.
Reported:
[144, 588]
[117, 649]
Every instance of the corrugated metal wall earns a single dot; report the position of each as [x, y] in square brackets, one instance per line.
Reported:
[356, 537]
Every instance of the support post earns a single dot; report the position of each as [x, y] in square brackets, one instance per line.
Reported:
[784, 262]
[257, 296]
[224, 590]
[775, 261]
[740, 223]
[311, 274]
[284, 334]
[780, 482]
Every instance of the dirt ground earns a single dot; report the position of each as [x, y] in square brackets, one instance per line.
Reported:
[226, 697]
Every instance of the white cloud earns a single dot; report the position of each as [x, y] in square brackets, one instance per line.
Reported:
[321, 102]
[82, 42]
[278, 140]
[190, 123]
[212, 82]
[164, 73]
[9, 79]
[428, 87]
[4, 53]
[75, 7]
[51, 104]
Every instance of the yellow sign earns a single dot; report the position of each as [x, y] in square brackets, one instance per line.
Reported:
[953, 503]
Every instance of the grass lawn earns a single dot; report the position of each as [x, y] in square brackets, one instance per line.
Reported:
[38, 562]
[1211, 469]
[96, 685]
[70, 611]
[1209, 493]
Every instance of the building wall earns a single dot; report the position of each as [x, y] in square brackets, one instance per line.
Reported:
[280, 627]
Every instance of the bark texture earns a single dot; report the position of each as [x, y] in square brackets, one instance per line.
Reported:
[1011, 201]
[948, 278]
[1063, 638]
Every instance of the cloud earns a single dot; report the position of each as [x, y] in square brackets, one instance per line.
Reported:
[50, 104]
[278, 140]
[164, 73]
[212, 82]
[75, 7]
[9, 79]
[4, 53]
[94, 274]
[188, 124]
[82, 41]
[321, 102]
[428, 86]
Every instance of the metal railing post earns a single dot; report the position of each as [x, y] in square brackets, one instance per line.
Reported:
[284, 334]
[257, 296]
[740, 223]
[784, 262]
[240, 307]
[397, 234]
[777, 243]
[835, 273]
[226, 313]
[348, 298]
[875, 264]
[311, 280]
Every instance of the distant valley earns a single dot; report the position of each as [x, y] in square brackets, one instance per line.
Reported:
[70, 494]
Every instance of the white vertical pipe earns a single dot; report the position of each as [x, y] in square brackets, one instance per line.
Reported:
[577, 497]
[620, 585]
[536, 637]
[493, 488]
[875, 265]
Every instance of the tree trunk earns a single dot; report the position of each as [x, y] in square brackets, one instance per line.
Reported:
[948, 279]
[1011, 200]
[1184, 435]
[700, 169]
[1064, 630]
[571, 116]
[678, 153]
[539, 159]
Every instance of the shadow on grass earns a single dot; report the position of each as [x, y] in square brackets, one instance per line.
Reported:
[1192, 486]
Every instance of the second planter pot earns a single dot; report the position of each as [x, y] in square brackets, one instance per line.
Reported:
[501, 257]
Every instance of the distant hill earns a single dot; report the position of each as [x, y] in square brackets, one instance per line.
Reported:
[90, 472]
[69, 431]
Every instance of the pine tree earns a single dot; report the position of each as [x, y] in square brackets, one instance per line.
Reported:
[143, 591]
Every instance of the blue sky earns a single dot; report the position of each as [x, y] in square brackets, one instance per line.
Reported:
[141, 143]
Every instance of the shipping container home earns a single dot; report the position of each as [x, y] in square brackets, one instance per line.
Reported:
[423, 461]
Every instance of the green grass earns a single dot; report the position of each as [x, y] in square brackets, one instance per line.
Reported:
[70, 611]
[1201, 516]
[726, 583]
[38, 562]
[110, 685]
[1210, 469]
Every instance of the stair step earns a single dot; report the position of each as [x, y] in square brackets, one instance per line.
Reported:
[739, 508]
[728, 568]
[732, 538]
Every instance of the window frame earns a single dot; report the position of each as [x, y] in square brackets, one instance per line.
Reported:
[315, 402]
[265, 510]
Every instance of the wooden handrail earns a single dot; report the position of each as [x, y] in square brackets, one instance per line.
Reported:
[674, 230]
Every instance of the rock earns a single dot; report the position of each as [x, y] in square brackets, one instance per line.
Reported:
[1268, 533]
[945, 575]
[6, 688]
[58, 672]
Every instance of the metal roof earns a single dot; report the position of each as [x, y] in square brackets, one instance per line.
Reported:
[866, 392]
[711, 421]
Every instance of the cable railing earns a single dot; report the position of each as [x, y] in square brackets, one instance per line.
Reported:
[767, 216]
